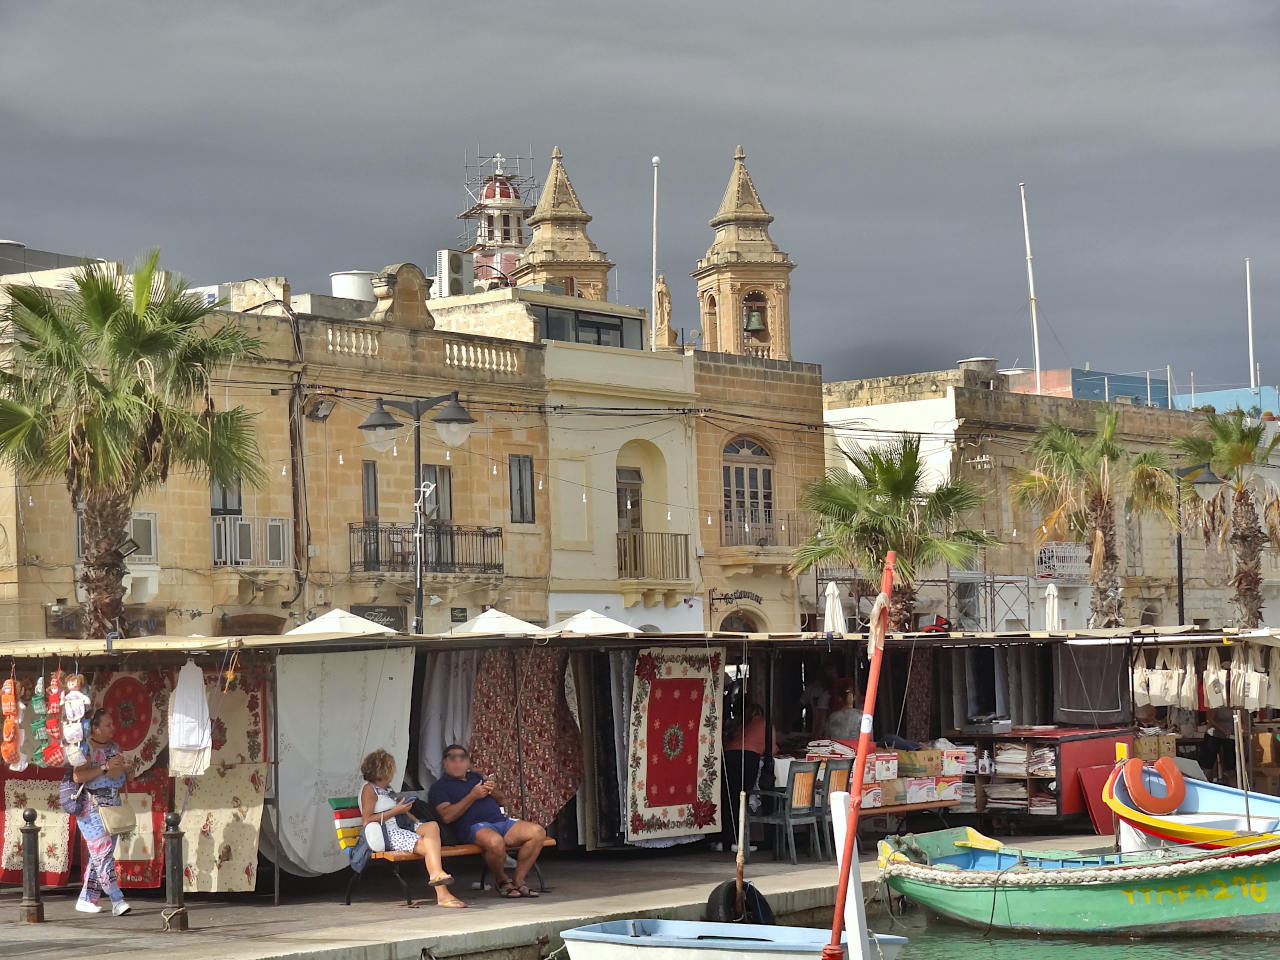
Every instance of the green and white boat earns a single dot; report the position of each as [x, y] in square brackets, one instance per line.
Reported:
[965, 876]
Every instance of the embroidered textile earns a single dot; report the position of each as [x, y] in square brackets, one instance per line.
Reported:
[334, 709]
[673, 786]
[523, 735]
[36, 788]
[139, 703]
[224, 805]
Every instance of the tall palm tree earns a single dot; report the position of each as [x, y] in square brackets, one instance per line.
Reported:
[105, 388]
[886, 502]
[1234, 450]
[1075, 485]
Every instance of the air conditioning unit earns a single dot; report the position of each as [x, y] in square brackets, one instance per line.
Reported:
[455, 274]
[1127, 401]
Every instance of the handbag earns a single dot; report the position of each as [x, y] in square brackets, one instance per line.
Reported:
[1215, 681]
[1188, 694]
[117, 819]
[1254, 682]
[1166, 680]
[1141, 681]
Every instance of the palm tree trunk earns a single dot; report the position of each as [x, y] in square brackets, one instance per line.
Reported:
[1104, 604]
[918, 695]
[104, 525]
[1247, 541]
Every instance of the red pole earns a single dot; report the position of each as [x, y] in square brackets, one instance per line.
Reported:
[832, 950]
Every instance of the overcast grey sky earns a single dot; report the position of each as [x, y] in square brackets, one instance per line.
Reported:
[888, 139]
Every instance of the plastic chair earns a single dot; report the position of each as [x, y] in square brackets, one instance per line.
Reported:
[835, 780]
[795, 807]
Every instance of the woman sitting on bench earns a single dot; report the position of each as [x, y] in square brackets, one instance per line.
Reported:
[403, 832]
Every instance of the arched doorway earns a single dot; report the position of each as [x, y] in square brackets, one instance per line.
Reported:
[740, 621]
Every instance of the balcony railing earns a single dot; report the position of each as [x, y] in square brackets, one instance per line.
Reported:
[252, 541]
[1063, 560]
[447, 548]
[763, 527]
[653, 556]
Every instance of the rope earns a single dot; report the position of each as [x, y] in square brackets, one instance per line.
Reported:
[1116, 873]
[167, 915]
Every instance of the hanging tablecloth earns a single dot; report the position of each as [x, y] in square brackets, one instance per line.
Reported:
[223, 814]
[334, 708]
[1091, 684]
[37, 788]
[536, 758]
[445, 715]
[139, 703]
[673, 786]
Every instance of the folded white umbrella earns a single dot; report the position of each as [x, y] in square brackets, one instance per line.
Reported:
[1051, 607]
[588, 623]
[340, 621]
[494, 621]
[833, 613]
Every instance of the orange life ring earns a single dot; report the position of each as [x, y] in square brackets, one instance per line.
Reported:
[1175, 787]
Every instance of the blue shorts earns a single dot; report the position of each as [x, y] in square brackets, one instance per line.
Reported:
[500, 826]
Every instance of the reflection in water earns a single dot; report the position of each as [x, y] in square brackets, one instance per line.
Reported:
[940, 940]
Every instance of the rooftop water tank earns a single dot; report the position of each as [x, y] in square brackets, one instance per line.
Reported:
[353, 284]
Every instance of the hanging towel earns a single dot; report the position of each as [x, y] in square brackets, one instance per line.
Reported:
[190, 731]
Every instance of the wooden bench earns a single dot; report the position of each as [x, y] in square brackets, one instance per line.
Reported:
[347, 825]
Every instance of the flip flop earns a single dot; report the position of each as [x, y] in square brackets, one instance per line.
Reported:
[440, 880]
[452, 904]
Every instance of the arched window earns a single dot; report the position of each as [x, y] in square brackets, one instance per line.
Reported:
[489, 221]
[506, 227]
[755, 316]
[709, 331]
[747, 472]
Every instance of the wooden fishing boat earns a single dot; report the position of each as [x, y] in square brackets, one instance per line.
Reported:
[697, 940]
[965, 876]
[1208, 815]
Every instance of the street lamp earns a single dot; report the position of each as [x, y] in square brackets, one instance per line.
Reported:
[1204, 482]
[453, 424]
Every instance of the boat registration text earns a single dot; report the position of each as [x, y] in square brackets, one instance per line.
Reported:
[1252, 887]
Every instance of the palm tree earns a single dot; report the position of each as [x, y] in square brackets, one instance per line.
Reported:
[1074, 485]
[887, 503]
[106, 389]
[1234, 450]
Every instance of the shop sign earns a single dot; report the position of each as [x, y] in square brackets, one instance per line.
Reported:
[458, 614]
[138, 621]
[386, 615]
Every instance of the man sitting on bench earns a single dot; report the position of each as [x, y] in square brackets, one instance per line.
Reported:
[469, 801]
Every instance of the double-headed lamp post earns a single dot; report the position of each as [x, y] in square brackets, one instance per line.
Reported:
[453, 424]
[1204, 482]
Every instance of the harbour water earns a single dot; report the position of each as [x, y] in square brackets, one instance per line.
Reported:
[939, 940]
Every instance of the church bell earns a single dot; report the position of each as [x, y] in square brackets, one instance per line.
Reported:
[755, 322]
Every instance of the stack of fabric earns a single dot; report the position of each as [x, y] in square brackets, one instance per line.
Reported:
[970, 757]
[1006, 795]
[1042, 762]
[968, 798]
[829, 748]
[1011, 759]
[1042, 804]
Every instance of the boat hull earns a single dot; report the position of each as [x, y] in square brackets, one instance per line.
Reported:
[695, 940]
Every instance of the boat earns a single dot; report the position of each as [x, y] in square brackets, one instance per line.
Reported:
[697, 940]
[962, 875]
[1209, 815]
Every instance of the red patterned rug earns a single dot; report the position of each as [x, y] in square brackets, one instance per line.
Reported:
[673, 785]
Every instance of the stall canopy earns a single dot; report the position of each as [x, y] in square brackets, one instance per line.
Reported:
[494, 621]
[340, 621]
[588, 623]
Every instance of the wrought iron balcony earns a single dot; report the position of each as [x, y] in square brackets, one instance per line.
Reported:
[446, 548]
[764, 527]
[643, 555]
[1064, 561]
[252, 541]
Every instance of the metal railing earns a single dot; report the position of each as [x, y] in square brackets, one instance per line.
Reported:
[1063, 560]
[252, 541]
[764, 527]
[643, 555]
[447, 548]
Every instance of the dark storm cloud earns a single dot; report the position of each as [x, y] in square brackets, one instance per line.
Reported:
[887, 138]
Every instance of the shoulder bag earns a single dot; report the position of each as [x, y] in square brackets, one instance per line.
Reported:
[118, 819]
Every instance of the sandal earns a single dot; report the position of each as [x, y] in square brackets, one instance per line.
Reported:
[452, 904]
[526, 892]
[440, 880]
[508, 890]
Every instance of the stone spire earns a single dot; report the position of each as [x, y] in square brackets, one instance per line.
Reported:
[743, 286]
[560, 252]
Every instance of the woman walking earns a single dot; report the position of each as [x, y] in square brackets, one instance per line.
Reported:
[400, 828]
[102, 774]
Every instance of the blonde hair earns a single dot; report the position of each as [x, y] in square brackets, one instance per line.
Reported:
[379, 765]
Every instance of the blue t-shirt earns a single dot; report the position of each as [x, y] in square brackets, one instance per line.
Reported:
[452, 789]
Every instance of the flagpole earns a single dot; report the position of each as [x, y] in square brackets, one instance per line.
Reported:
[653, 273]
[875, 640]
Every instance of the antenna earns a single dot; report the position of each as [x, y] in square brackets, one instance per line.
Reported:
[1031, 285]
[653, 278]
[1248, 301]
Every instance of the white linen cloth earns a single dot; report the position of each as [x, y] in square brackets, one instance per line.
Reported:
[333, 709]
[190, 730]
[445, 717]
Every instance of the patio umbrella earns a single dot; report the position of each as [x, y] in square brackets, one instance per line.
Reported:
[833, 614]
[1051, 621]
[588, 623]
[340, 621]
[494, 621]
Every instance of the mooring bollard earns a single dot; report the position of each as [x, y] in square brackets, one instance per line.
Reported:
[30, 906]
[175, 911]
